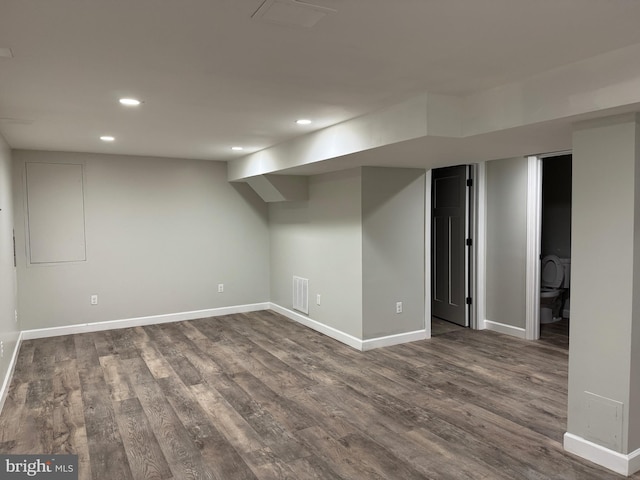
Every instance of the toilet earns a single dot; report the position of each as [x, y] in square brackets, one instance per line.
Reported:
[554, 281]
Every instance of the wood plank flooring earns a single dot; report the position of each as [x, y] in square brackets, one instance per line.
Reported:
[256, 396]
[440, 327]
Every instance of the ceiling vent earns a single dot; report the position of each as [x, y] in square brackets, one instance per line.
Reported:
[291, 12]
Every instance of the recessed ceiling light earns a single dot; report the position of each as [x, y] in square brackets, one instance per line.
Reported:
[237, 149]
[303, 121]
[107, 138]
[130, 102]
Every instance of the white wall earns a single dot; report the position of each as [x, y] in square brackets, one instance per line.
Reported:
[8, 285]
[161, 234]
[506, 241]
[393, 248]
[321, 239]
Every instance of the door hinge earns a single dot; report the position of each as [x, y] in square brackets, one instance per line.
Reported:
[469, 301]
[469, 182]
[469, 242]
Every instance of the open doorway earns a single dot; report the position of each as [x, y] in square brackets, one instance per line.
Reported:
[555, 248]
[452, 227]
[549, 252]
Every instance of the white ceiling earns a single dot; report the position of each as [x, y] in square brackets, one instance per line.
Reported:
[212, 77]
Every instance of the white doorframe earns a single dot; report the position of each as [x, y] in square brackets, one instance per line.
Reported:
[427, 255]
[534, 236]
[480, 247]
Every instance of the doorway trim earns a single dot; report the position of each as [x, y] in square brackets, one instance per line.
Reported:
[427, 254]
[534, 236]
[479, 316]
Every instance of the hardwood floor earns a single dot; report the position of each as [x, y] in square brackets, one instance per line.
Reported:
[440, 327]
[556, 333]
[257, 396]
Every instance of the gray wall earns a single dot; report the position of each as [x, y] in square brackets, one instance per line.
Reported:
[8, 287]
[604, 343]
[160, 233]
[633, 416]
[321, 239]
[506, 186]
[393, 249]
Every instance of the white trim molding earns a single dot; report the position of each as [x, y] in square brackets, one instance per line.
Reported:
[534, 236]
[396, 339]
[506, 329]
[140, 321]
[624, 464]
[427, 251]
[346, 338]
[481, 246]
[9, 375]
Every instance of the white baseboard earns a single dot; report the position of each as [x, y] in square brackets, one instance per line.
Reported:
[624, 464]
[9, 375]
[506, 329]
[347, 339]
[396, 339]
[634, 462]
[139, 321]
[318, 327]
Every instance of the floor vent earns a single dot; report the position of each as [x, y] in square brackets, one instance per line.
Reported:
[301, 294]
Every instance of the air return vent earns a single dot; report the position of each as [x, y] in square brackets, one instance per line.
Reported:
[301, 294]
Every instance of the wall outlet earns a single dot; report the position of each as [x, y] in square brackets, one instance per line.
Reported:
[16, 312]
[318, 299]
[94, 299]
[398, 307]
[1, 349]
[220, 287]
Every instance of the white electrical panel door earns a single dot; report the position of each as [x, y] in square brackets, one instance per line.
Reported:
[55, 213]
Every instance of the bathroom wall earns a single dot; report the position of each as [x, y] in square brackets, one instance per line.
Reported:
[556, 206]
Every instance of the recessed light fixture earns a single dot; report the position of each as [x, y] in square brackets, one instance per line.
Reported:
[107, 138]
[303, 121]
[130, 102]
[237, 149]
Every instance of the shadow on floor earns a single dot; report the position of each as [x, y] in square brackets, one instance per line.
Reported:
[556, 333]
[552, 333]
[442, 327]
